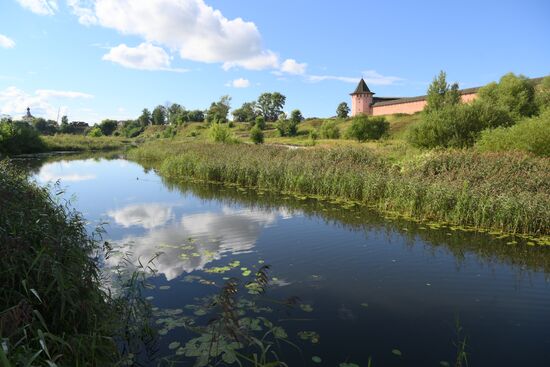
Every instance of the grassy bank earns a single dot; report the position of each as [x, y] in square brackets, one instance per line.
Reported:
[53, 309]
[67, 142]
[505, 192]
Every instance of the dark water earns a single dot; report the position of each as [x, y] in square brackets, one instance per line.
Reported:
[368, 286]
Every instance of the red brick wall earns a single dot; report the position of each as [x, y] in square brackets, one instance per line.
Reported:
[412, 107]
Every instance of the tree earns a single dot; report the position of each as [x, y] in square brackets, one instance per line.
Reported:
[514, 93]
[95, 132]
[343, 110]
[176, 114]
[260, 122]
[542, 94]
[218, 111]
[145, 118]
[441, 94]
[270, 105]
[257, 135]
[195, 116]
[45, 127]
[368, 128]
[108, 127]
[296, 117]
[247, 113]
[158, 117]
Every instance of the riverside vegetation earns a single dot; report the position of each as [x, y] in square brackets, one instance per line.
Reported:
[54, 308]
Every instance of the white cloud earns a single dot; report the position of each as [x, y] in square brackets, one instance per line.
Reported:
[14, 101]
[143, 57]
[41, 7]
[148, 216]
[51, 93]
[371, 77]
[291, 66]
[239, 83]
[192, 28]
[6, 42]
[82, 9]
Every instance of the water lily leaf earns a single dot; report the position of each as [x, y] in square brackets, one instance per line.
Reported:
[316, 359]
[306, 307]
[174, 345]
[164, 287]
[246, 273]
[364, 305]
[444, 364]
[397, 352]
[348, 365]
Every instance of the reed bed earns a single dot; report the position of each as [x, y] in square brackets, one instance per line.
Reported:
[508, 192]
[69, 142]
[53, 310]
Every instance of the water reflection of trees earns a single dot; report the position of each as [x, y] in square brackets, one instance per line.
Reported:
[358, 218]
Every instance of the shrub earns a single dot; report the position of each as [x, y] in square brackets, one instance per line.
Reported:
[367, 128]
[457, 126]
[257, 135]
[514, 93]
[542, 94]
[19, 138]
[219, 133]
[287, 127]
[530, 135]
[329, 130]
[260, 122]
[95, 132]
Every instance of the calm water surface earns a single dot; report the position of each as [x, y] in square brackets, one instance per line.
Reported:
[368, 286]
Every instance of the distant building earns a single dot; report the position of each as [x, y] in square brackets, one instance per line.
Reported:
[28, 117]
[364, 102]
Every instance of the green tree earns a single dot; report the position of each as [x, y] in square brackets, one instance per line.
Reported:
[195, 116]
[365, 128]
[45, 127]
[176, 114]
[514, 93]
[247, 113]
[441, 94]
[270, 105]
[108, 127]
[257, 135]
[343, 110]
[158, 116]
[145, 118]
[260, 122]
[542, 94]
[218, 111]
[296, 116]
[64, 127]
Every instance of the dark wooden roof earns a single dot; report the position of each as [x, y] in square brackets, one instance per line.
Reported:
[386, 101]
[362, 88]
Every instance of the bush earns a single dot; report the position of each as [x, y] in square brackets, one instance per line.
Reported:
[220, 133]
[260, 122]
[95, 132]
[367, 128]
[19, 138]
[530, 135]
[514, 93]
[257, 135]
[329, 130]
[457, 126]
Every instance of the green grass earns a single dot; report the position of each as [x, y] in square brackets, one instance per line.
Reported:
[67, 142]
[505, 192]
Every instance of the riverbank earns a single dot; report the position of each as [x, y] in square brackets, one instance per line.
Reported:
[505, 192]
[54, 308]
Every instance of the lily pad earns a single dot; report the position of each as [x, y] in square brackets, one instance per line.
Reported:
[174, 345]
[316, 359]
[397, 352]
[306, 308]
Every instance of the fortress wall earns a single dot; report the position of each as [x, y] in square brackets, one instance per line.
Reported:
[407, 107]
[412, 107]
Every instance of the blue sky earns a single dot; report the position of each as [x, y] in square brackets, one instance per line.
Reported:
[96, 59]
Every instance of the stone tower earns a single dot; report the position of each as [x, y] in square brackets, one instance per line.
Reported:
[361, 100]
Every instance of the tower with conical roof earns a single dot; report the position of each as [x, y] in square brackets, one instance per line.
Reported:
[361, 100]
